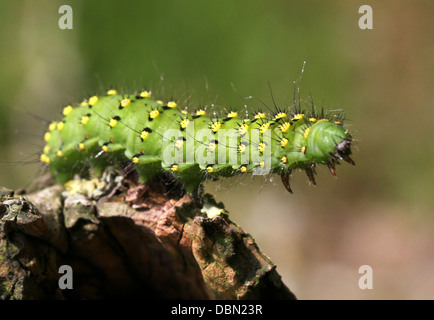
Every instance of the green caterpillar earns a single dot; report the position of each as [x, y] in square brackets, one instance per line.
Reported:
[157, 137]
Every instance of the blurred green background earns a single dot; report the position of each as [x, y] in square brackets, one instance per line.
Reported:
[379, 213]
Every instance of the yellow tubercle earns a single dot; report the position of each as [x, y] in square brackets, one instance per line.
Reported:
[200, 112]
[81, 146]
[306, 132]
[67, 110]
[215, 126]
[153, 114]
[93, 100]
[125, 102]
[52, 126]
[242, 148]
[232, 114]
[260, 115]
[145, 94]
[284, 142]
[298, 116]
[212, 146]
[136, 160]
[209, 169]
[280, 115]
[47, 136]
[243, 129]
[60, 126]
[172, 104]
[303, 149]
[243, 169]
[174, 168]
[105, 148]
[59, 153]
[45, 158]
[113, 122]
[179, 143]
[84, 120]
[184, 123]
[144, 134]
[112, 92]
[264, 127]
[284, 126]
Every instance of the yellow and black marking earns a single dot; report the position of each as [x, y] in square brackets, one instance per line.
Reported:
[93, 100]
[144, 94]
[184, 124]
[230, 115]
[179, 143]
[264, 127]
[105, 147]
[243, 129]
[124, 103]
[242, 147]
[212, 145]
[279, 115]
[199, 113]
[171, 105]
[306, 132]
[260, 115]
[285, 126]
[144, 134]
[114, 121]
[85, 119]
[60, 125]
[67, 110]
[153, 114]
[136, 158]
[297, 116]
[215, 126]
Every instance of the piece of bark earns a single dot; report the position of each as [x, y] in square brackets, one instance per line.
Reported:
[137, 242]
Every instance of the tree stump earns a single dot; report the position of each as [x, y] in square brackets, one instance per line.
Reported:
[127, 241]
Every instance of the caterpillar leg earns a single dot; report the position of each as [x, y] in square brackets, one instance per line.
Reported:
[191, 177]
[148, 167]
[285, 180]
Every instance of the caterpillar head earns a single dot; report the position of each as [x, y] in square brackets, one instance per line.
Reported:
[328, 141]
[343, 150]
[324, 143]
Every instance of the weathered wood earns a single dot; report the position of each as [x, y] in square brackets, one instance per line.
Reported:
[135, 241]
